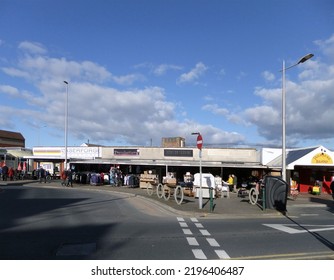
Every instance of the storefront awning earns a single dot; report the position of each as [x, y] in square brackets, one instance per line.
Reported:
[19, 153]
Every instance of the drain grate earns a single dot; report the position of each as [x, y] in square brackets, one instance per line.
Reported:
[78, 249]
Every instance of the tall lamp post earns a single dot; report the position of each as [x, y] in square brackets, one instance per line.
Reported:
[199, 143]
[302, 60]
[66, 124]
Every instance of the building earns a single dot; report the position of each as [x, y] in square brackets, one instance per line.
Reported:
[173, 142]
[304, 166]
[11, 139]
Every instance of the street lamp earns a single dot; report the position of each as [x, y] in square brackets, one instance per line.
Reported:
[302, 60]
[66, 124]
[199, 146]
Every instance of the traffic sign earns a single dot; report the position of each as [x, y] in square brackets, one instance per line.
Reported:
[199, 141]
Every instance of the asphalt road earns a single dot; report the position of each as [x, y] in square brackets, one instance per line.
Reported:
[43, 222]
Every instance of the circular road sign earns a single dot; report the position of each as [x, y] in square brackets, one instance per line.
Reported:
[199, 141]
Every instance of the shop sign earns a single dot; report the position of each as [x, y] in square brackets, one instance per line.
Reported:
[126, 152]
[178, 153]
[47, 152]
[322, 158]
[82, 152]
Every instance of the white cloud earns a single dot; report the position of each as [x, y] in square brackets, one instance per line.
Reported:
[97, 111]
[327, 47]
[268, 76]
[215, 109]
[128, 79]
[34, 66]
[163, 68]
[309, 103]
[48, 68]
[9, 90]
[194, 74]
[32, 47]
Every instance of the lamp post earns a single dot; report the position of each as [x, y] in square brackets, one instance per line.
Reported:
[199, 146]
[66, 124]
[302, 60]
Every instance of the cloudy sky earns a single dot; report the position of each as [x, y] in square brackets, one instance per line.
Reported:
[140, 70]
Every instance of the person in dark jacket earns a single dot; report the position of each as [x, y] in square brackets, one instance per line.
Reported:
[69, 178]
[4, 172]
[42, 175]
[332, 188]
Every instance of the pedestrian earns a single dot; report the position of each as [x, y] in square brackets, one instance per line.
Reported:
[126, 180]
[230, 182]
[235, 183]
[63, 177]
[4, 172]
[332, 188]
[11, 174]
[42, 175]
[69, 178]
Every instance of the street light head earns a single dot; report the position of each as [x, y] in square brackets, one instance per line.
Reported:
[66, 82]
[195, 133]
[306, 57]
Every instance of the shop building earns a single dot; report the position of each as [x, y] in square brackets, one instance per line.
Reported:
[135, 160]
[306, 167]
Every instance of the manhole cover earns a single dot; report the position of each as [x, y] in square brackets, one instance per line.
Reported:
[79, 249]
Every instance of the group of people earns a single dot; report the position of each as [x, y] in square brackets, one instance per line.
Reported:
[7, 173]
[66, 178]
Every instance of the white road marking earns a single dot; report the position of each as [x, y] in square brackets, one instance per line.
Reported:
[187, 231]
[199, 254]
[291, 229]
[192, 241]
[204, 232]
[309, 215]
[222, 254]
[213, 242]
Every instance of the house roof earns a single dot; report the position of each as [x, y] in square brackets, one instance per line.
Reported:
[11, 135]
[90, 145]
[292, 156]
[11, 139]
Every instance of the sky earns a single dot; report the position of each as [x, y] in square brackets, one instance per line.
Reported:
[141, 70]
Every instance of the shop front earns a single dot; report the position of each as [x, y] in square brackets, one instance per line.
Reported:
[313, 167]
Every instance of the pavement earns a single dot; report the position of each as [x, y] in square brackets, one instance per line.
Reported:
[232, 207]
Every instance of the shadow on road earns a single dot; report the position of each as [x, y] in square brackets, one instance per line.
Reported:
[316, 235]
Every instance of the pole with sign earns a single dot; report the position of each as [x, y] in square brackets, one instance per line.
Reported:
[199, 143]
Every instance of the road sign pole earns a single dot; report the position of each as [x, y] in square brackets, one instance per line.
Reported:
[200, 197]
[199, 143]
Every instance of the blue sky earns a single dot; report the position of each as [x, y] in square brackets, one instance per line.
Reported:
[140, 70]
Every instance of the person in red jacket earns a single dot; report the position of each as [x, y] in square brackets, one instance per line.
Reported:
[11, 173]
[63, 177]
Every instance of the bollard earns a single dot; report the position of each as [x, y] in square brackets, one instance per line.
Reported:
[211, 199]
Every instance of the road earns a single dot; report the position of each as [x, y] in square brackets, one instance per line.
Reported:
[63, 223]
